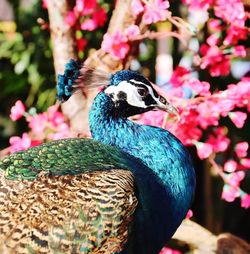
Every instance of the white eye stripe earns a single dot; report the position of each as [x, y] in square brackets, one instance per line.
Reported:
[150, 90]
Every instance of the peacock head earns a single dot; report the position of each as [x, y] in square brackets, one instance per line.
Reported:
[133, 94]
[130, 92]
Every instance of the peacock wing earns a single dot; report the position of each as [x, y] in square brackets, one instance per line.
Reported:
[67, 207]
[84, 213]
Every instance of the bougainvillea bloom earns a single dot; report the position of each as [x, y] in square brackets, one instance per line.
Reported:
[229, 193]
[22, 143]
[241, 149]
[17, 111]
[231, 11]
[116, 44]
[155, 10]
[245, 200]
[204, 150]
[230, 166]
[166, 250]
[213, 59]
[238, 118]
[136, 7]
[132, 31]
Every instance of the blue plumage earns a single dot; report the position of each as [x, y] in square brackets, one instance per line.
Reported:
[67, 80]
[166, 192]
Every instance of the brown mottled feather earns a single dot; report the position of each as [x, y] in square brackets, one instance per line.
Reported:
[85, 213]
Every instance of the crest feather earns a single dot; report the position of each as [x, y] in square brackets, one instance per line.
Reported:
[78, 76]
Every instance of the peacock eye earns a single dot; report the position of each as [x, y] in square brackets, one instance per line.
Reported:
[143, 92]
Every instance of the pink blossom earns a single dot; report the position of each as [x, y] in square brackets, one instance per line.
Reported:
[241, 149]
[179, 75]
[198, 4]
[100, 17]
[239, 51]
[17, 111]
[220, 143]
[25, 142]
[198, 87]
[132, 31]
[136, 7]
[89, 25]
[213, 59]
[245, 200]
[116, 44]
[245, 162]
[81, 44]
[213, 39]
[85, 7]
[167, 250]
[235, 178]
[189, 214]
[208, 114]
[234, 34]
[70, 18]
[204, 150]
[229, 193]
[155, 10]
[45, 4]
[215, 25]
[230, 166]
[238, 118]
[38, 123]
[231, 11]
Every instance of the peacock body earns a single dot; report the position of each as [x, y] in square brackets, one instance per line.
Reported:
[126, 191]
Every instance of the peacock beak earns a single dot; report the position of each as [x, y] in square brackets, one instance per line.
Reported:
[164, 105]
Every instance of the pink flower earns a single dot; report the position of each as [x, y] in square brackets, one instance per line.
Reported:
[70, 18]
[220, 143]
[25, 142]
[204, 150]
[85, 7]
[235, 178]
[189, 214]
[45, 4]
[245, 200]
[89, 25]
[241, 149]
[234, 34]
[229, 193]
[231, 11]
[198, 4]
[81, 44]
[136, 7]
[116, 45]
[17, 111]
[213, 39]
[214, 25]
[230, 166]
[239, 51]
[245, 162]
[198, 87]
[238, 118]
[100, 17]
[179, 75]
[213, 59]
[38, 123]
[155, 10]
[166, 250]
[132, 31]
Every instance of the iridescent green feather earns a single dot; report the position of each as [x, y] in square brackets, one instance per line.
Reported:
[69, 156]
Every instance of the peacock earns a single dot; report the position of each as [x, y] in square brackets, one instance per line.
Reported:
[125, 191]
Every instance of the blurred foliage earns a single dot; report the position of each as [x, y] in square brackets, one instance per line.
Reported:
[26, 64]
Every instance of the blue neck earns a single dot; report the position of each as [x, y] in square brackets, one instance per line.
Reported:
[157, 149]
